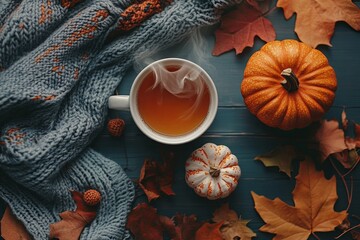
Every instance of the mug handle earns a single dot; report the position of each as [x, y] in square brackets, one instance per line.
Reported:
[119, 102]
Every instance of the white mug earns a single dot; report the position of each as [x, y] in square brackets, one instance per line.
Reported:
[189, 70]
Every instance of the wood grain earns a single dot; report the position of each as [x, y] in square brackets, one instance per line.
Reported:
[235, 127]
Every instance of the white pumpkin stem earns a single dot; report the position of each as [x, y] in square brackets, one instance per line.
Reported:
[214, 171]
[291, 82]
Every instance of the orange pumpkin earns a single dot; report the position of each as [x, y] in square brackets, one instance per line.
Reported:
[288, 84]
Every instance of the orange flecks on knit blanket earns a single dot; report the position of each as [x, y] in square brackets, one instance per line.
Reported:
[76, 35]
[21, 25]
[13, 135]
[69, 3]
[134, 15]
[46, 53]
[45, 12]
[12, 130]
[58, 69]
[87, 29]
[76, 74]
[44, 98]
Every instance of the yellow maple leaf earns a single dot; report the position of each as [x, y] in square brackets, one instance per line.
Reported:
[314, 197]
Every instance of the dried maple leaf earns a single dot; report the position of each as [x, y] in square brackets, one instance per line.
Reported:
[315, 20]
[209, 231]
[260, 5]
[12, 228]
[156, 178]
[186, 226]
[330, 138]
[73, 222]
[144, 223]
[314, 197]
[353, 143]
[348, 158]
[233, 227]
[280, 157]
[344, 120]
[239, 27]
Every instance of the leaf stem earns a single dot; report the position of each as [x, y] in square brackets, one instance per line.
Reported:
[346, 231]
[316, 236]
[270, 10]
[352, 168]
[348, 193]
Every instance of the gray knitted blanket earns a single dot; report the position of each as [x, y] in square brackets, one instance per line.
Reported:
[57, 70]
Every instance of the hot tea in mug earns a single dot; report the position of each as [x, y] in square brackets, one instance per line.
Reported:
[173, 108]
[172, 101]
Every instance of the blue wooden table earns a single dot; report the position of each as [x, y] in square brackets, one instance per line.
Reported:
[235, 127]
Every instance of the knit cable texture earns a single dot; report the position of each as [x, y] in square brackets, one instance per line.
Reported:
[57, 70]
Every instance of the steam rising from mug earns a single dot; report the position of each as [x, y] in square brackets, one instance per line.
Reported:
[181, 81]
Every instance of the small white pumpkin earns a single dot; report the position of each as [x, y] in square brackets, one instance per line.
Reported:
[212, 171]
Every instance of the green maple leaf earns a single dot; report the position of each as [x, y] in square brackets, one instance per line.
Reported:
[280, 157]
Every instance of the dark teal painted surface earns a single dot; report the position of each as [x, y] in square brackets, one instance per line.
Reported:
[235, 127]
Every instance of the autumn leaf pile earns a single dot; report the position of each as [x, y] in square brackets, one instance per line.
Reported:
[69, 227]
[314, 25]
[313, 192]
[314, 195]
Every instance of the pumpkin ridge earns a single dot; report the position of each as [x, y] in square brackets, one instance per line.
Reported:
[303, 48]
[210, 189]
[253, 85]
[319, 75]
[274, 66]
[224, 159]
[204, 152]
[261, 95]
[313, 62]
[291, 113]
[316, 109]
[320, 94]
[279, 97]
[224, 174]
[198, 159]
[303, 118]
[269, 51]
[199, 179]
[279, 113]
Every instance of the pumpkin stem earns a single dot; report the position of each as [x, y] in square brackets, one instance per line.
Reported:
[291, 82]
[214, 171]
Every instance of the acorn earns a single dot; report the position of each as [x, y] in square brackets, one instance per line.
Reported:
[116, 127]
[92, 197]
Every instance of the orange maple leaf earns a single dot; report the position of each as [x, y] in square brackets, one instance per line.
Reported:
[72, 223]
[315, 20]
[12, 228]
[209, 231]
[239, 27]
[330, 137]
[314, 197]
[156, 178]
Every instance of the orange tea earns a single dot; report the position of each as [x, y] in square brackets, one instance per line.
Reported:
[172, 114]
